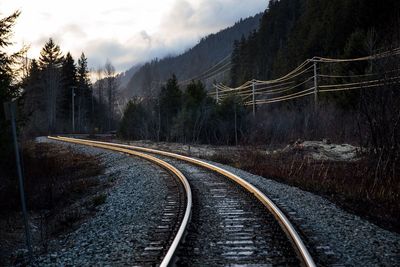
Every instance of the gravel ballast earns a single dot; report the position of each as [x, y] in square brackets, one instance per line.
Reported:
[335, 236]
[119, 231]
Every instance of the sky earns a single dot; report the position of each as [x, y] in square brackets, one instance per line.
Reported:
[126, 32]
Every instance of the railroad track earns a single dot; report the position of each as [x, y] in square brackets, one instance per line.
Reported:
[233, 223]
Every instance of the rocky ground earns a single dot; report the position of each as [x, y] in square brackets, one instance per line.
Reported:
[113, 235]
[337, 236]
[317, 150]
[119, 230]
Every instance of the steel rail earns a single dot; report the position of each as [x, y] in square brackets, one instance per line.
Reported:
[179, 235]
[284, 222]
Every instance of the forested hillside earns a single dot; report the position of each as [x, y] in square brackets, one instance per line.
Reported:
[209, 51]
[294, 30]
[125, 77]
[354, 101]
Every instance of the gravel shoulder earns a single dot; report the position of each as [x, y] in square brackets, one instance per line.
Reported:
[119, 231]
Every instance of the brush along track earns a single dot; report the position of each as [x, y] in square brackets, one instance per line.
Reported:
[229, 225]
[167, 235]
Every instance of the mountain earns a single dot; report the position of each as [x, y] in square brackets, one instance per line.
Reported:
[123, 79]
[126, 76]
[294, 30]
[211, 50]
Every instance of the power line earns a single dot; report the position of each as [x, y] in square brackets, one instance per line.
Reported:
[289, 82]
[223, 61]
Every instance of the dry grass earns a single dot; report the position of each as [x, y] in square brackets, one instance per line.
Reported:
[351, 185]
[59, 185]
[53, 176]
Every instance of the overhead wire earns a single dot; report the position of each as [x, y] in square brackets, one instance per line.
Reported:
[279, 85]
[210, 69]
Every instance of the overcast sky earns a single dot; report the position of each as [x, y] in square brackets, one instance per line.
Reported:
[125, 31]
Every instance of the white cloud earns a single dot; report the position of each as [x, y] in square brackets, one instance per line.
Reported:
[124, 31]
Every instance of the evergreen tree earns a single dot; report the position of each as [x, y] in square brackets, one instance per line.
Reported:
[84, 95]
[170, 104]
[8, 85]
[291, 31]
[50, 63]
[134, 121]
[50, 55]
[197, 107]
[33, 98]
[194, 95]
[68, 82]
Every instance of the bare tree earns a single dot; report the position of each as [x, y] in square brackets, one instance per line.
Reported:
[111, 88]
[99, 86]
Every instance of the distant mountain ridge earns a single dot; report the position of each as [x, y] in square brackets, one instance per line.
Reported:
[208, 52]
[125, 77]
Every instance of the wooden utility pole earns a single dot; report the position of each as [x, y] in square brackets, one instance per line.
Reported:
[315, 87]
[73, 108]
[216, 93]
[236, 135]
[254, 99]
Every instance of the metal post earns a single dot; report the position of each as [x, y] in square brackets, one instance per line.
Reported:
[11, 109]
[315, 86]
[73, 109]
[254, 100]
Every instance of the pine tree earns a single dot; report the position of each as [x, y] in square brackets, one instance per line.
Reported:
[195, 108]
[68, 84]
[7, 90]
[134, 121]
[34, 107]
[50, 55]
[170, 104]
[84, 94]
[50, 63]
[8, 86]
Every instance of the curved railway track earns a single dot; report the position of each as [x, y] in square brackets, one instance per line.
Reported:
[167, 236]
[228, 225]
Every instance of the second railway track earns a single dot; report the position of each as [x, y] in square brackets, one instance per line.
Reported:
[232, 224]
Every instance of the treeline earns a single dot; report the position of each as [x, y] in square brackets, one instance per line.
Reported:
[294, 30]
[58, 96]
[185, 115]
[48, 90]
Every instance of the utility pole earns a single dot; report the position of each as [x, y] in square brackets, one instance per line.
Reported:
[10, 111]
[315, 87]
[73, 108]
[236, 135]
[254, 99]
[217, 93]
